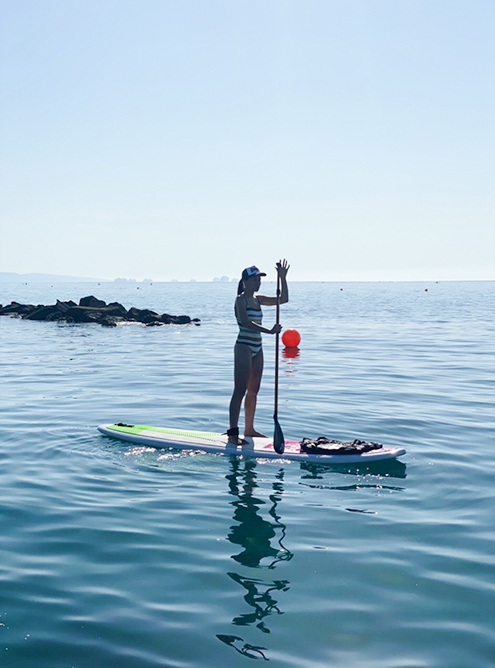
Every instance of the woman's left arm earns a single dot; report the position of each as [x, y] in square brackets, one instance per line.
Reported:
[282, 269]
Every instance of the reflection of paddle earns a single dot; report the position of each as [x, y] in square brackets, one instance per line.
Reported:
[278, 437]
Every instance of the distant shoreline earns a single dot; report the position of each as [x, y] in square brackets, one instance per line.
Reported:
[42, 278]
[9, 277]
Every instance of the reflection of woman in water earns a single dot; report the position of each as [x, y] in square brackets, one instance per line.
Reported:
[252, 532]
[256, 536]
[262, 538]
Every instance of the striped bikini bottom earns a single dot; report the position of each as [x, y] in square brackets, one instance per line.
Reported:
[254, 344]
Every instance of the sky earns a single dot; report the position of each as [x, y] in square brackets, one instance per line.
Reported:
[179, 139]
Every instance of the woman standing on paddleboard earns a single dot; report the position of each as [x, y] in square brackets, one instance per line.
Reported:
[248, 351]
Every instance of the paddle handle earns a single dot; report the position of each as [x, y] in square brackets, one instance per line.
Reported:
[277, 340]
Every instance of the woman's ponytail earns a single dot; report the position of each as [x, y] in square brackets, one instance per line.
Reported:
[240, 287]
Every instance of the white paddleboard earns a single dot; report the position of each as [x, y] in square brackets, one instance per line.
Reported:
[211, 442]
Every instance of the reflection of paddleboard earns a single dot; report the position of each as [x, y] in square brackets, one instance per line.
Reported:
[182, 439]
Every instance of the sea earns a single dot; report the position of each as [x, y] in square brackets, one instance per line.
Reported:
[117, 556]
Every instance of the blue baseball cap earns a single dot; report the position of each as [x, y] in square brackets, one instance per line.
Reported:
[251, 271]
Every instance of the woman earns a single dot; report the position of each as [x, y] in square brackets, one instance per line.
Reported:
[248, 352]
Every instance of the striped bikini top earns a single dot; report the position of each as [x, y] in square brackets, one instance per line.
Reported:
[248, 336]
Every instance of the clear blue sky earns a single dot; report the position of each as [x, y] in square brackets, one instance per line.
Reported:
[190, 138]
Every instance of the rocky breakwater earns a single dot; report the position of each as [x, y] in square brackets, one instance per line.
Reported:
[93, 310]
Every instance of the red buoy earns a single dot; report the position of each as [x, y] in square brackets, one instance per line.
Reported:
[291, 338]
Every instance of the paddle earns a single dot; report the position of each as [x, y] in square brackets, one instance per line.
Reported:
[278, 436]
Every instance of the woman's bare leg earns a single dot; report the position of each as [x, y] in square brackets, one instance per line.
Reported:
[253, 387]
[242, 372]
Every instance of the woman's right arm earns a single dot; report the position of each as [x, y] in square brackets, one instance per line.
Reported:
[242, 316]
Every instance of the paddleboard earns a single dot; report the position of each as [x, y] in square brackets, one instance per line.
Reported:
[211, 442]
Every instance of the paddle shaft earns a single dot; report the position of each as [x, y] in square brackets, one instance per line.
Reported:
[277, 339]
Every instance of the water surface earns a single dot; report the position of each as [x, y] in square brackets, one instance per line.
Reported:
[114, 555]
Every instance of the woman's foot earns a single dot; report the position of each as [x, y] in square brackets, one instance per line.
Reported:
[233, 435]
[254, 434]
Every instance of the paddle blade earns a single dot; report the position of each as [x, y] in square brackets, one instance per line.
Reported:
[278, 438]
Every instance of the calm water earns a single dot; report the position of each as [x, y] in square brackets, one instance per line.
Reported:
[125, 557]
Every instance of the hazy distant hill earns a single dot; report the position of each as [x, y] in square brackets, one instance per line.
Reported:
[47, 278]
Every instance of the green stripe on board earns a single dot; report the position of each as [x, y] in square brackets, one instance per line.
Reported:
[139, 429]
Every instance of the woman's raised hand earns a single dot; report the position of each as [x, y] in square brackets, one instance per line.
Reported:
[282, 267]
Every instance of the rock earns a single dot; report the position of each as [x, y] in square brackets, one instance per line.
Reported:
[93, 310]
[89, 314]
[144, 315]
[108, 321]
[132, 313]
[64, 306]
[183, 320]
[17, 309]
[115, 311]
[92, 302]
[83, 314]
[168, 319]
[49, 313]
[116, 307]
